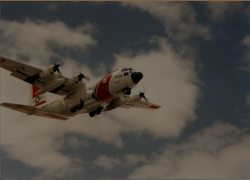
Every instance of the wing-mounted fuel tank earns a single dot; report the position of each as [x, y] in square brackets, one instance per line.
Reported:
[115, 103]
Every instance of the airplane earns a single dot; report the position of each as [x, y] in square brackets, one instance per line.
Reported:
[104, 94]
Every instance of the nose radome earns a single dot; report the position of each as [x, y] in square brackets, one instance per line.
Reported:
[136, 77]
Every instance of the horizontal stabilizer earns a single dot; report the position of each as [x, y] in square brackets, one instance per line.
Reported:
[19, 107]
[31, 110]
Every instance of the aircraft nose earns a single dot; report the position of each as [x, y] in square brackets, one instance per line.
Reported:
[136, 77]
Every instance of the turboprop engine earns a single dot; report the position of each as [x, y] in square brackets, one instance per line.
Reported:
[75, 79]
[137, 97]
[52, 84]
[115, 103]
[49, 71]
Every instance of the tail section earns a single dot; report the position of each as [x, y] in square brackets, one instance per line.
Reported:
[36, 100]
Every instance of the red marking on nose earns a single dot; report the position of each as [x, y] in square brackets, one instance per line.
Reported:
[103, 93]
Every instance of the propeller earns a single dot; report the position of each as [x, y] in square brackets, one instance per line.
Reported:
[56, 68]
[142, 95]
[80, 76]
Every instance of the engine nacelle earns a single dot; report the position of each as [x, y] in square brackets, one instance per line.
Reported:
[134, 98]
[115, 103]
[49, 71]
[72, 81]
[51, 85]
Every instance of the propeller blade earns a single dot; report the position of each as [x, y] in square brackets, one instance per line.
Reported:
[87, 77]
[80, 76]
[142, 95]
[56, 68]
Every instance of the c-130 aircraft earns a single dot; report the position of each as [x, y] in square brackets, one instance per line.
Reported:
[104, 94]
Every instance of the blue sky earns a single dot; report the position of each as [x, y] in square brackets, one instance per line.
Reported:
[195, 61]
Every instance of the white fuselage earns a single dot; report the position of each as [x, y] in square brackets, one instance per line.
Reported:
[96, 94]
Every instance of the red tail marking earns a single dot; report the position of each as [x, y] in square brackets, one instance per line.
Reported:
[34, 90]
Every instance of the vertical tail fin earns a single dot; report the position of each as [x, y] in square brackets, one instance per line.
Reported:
[36, 100]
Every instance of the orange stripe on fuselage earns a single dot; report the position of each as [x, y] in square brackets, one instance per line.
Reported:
[102, 91]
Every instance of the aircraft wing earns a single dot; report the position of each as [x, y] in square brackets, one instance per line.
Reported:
[31, 110]
[140, 104]
[30, 75]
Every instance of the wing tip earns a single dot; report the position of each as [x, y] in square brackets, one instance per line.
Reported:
[154, 107]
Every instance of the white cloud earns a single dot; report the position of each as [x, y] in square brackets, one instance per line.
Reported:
[171, 81]
[247, 12]
[134, 159]
[246, 41]
[54, 6]
[217, 152]
[248, 99]
[246, 55]
[33, 140]
[110, 163]
[170, 78]
[219, 10]
[107, 163]
[36, 39]
[38, 141]
[179, 18]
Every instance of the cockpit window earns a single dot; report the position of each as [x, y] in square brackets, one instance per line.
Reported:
[131, 70]
[128, 69]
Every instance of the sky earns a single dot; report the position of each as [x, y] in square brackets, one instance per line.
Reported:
[196, 63]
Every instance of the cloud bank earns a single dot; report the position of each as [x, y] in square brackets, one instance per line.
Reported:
[34, 140]
[170, 79]
[217, 152]
[179, 18]
[37, 39]
[246, 54]
[219, 10]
